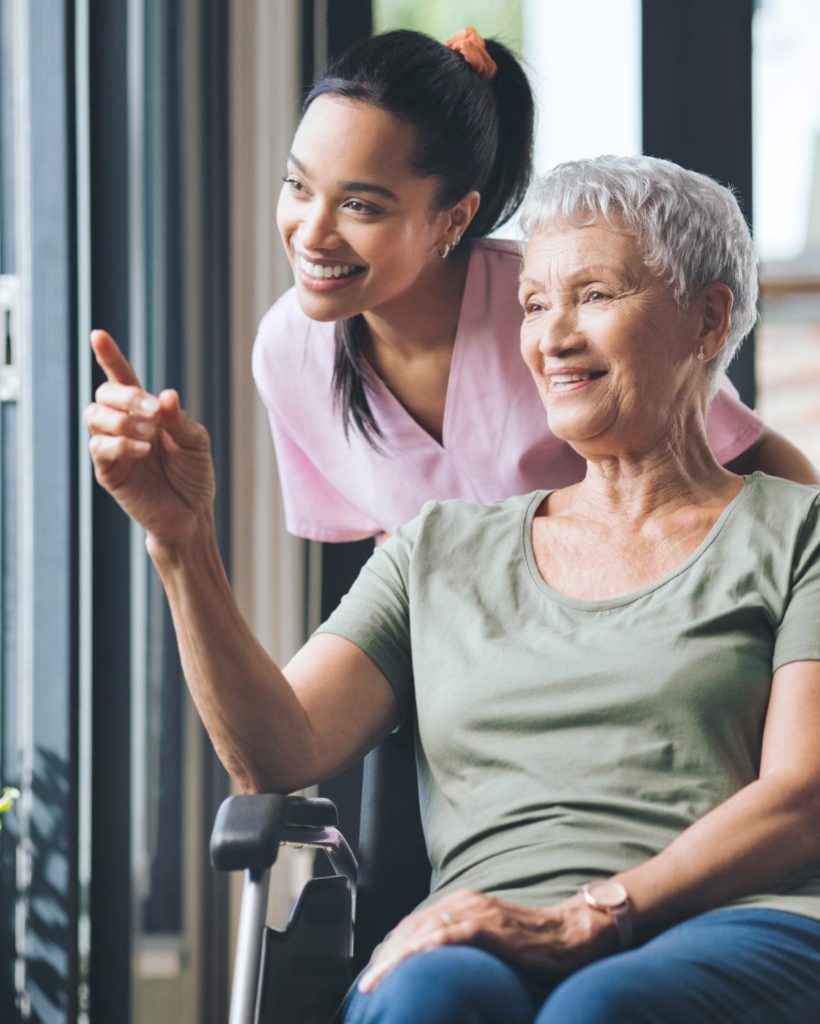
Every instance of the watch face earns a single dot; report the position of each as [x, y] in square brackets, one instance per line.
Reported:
[607, 894]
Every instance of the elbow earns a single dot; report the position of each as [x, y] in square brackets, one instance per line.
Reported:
[265, 765]
[799, 803]
[251, 779]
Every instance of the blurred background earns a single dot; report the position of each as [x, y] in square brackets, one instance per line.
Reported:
[142, 144]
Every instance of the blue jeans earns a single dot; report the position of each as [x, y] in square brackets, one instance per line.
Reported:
[724, 967]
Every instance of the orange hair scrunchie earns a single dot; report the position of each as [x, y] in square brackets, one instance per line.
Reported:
[473, 49]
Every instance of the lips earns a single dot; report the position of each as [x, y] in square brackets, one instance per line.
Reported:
[571, 380]
[325, 271]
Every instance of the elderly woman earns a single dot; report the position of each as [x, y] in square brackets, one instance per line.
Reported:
[615, 685]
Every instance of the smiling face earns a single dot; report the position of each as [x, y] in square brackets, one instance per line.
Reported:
[358, 225]
[609, 349]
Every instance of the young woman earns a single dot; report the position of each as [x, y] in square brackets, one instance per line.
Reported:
[388, 370]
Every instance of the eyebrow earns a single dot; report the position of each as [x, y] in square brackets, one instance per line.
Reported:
[352, 186]
[573, 274]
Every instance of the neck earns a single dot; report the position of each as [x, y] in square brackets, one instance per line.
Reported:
[679, 469]
[425, 317]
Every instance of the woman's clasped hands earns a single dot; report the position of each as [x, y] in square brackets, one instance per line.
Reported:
[147, 452]
[549, 942]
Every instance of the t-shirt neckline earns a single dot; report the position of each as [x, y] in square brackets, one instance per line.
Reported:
[632, 595]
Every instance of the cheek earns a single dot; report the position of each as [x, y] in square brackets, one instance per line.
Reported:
[285, 219]
[529, 348]
[400, 255]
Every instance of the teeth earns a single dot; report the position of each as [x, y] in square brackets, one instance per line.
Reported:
[322, 271]
[570, 378]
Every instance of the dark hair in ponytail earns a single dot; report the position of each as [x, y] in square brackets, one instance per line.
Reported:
[471, 134]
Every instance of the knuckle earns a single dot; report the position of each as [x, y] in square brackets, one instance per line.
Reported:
[465, 893]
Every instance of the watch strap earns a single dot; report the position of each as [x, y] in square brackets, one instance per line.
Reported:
[620, 914]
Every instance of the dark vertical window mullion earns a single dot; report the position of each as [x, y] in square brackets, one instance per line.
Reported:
[110, 965]
[161, 815]
[214, 359]
[697, 103]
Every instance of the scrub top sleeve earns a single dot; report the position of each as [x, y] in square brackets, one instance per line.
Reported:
[798, 635]
[731, 426]
[286, 383]
[314, 509]
[375, 614]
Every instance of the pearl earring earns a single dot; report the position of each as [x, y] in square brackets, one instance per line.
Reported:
[445, 251]
[701, 354]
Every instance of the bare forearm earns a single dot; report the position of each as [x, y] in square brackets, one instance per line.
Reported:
[257, 725]
[754, 842]
[774, 455]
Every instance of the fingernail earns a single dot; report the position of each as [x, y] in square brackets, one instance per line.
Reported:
[149, 405]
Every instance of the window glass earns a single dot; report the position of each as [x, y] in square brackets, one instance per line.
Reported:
[787, 217]
[9, 770]
[488, 17]
[583, 60]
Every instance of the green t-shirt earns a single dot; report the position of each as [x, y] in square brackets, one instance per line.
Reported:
[561, 740]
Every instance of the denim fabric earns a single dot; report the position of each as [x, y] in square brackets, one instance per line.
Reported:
[724, 967]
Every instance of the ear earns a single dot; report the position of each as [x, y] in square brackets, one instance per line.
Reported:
[715, 316]
[458, 217]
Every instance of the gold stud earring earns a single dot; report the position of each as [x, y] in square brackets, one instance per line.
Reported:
[701, 354]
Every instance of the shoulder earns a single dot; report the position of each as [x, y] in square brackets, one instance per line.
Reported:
[284, 314]
[774, 492]
[457, 538]
[786, 511]
[503, 248]
[503, 255]
[491, 293]
[289, 344]
[449, 529]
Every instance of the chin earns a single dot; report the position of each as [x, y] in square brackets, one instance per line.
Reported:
[569, 428]
[320, 308]
[317, 311]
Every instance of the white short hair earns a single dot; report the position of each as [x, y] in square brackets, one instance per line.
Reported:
[689, 228]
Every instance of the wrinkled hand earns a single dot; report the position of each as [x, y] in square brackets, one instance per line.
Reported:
[551, 941]
[147, 453]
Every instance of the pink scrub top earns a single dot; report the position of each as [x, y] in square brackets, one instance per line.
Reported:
[496, 442]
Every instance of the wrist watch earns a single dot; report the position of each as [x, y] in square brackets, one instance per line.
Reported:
[610, 897]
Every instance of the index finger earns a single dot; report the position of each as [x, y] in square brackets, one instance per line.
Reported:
[111, 360]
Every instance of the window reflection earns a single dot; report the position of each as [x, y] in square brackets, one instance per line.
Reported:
[787, 217]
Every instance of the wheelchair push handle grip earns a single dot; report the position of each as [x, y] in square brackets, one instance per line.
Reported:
[248, 829]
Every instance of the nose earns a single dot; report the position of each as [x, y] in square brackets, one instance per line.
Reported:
[317, 229]
[560, 331]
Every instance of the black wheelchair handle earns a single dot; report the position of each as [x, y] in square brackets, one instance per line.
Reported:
[248, 829]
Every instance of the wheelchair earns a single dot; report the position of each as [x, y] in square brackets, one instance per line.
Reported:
[300, 975]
